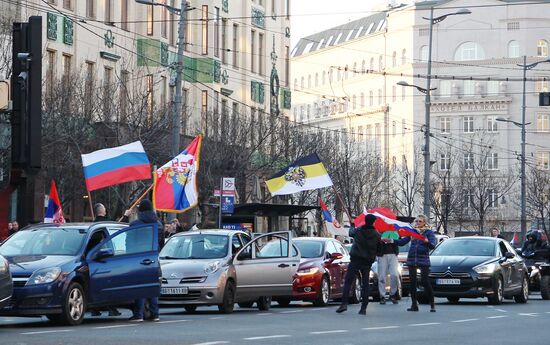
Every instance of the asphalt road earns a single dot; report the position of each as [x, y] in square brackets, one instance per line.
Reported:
[469, 322]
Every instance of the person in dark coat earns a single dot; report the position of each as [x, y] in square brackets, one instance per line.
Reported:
[100, 213]
[366, 244]
[419, 259]
[147, 215]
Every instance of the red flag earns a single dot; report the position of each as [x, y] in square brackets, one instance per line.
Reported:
[54, 213]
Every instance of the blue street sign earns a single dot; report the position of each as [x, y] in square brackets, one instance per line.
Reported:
[228, 204]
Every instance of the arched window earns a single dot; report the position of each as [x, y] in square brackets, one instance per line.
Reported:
[424, 53]
[362, 99]
[394, 59]
[380, 63]
[354, 102]
[363, 66]
[309, 81]
[542, 48]
[324, 80]
[469, 51]
[513, 49]
[371, 65]
[295, 83]
[354, 69]
[330, 75]
[371, 98]
[346, 72]
[404, 56]
[316, 79]
[338, 75]
[302, 83]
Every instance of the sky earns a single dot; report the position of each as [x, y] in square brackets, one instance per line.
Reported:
[311, 16]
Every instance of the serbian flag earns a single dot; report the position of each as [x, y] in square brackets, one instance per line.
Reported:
[402, 228]
[54, 213]
[175, 187]
[515, 240]
[108, 167]
[332, 224]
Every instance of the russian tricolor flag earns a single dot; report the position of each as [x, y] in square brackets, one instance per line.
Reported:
[108, 167]
[402, 228]
[54, 213]
[175, 188]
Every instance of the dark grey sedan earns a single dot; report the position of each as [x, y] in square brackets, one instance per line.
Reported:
[6, 285]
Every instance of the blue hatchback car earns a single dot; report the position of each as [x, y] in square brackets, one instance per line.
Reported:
[62, 270]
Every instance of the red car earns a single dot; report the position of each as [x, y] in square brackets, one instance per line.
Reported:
[320, 276]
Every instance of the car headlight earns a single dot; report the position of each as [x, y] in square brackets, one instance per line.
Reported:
[4, 266]
[309, 270]
[212, 267]
[485, 269]
[44, 276]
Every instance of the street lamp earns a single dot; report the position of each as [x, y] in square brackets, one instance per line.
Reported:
[427, 103]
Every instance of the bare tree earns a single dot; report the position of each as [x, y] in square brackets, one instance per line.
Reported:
[538, 196]
[407, 187]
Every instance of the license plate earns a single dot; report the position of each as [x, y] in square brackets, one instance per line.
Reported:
[174, 291]
[447, 281]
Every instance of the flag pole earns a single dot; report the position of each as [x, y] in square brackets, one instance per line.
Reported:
[139, 200]
[90, 204]
[350, 219]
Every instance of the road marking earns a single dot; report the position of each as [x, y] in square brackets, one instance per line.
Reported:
[291, 311]
[44, 332]
[497, 317]
[116, 326]
[269, 337]
[548, 312]
[315, 309]
[501, 310]
[465, 320]
[173, 321]
[213, 343]
[329, 332]
[529, 314]
[216, 318]
[263, 314]
[425, 324]
[377, 328]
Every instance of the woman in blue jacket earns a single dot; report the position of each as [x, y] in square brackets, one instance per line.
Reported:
[419, 259]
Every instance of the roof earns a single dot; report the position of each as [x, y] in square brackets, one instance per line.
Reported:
[313, 239]
[284, 210]
[340, 34]
[69, 225]
[223, 232]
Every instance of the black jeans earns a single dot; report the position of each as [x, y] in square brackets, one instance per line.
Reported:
[424, 280]
[353, 268]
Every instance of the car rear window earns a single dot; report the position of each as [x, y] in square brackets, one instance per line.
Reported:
[44, 241]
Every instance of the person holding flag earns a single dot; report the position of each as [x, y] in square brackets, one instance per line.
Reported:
[418, 258]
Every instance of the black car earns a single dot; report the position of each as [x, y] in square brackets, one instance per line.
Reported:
[473, 267]
[6, 285]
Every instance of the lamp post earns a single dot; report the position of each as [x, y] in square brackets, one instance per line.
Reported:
[522, 124]
[177, 101]
[427, 103]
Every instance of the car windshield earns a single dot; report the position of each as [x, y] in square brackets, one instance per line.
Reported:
[405, 248]
[44, 241]
[310, 249]
[199, 246]
[465, 247]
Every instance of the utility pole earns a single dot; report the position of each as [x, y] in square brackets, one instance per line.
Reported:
[177, 110]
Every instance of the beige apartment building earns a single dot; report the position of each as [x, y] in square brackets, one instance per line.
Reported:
[344, 79]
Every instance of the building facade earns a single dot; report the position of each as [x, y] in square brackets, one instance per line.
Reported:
[345, 78]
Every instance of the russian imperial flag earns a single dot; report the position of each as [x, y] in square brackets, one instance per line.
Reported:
[108, 167]
[305, 174]
[332, 224]
[54, 213]
[175, 189]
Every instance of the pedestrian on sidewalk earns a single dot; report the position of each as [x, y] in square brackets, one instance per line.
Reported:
[147, 215]
[14, 227]
[388, 264]
[366, 244]
[418, 259]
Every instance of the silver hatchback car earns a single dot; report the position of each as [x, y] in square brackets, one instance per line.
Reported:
[224, 267]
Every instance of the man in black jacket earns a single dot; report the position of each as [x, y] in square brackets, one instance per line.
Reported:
[366, 244]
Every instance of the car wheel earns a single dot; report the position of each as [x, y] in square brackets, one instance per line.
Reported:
[324, 294]
[285, 302]
[497, 296]
[228, 302]
[190, 308]
[453, 300]
[264, 303]
[74, 306]
[545, 287]
[356, 291]
[246, 304]
[523, 295]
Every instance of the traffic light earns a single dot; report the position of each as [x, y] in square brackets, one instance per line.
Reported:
[544, 99]
[26, 83]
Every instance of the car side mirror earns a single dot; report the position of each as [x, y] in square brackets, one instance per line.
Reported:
[336, 256]
[509, 255]
[104, 253]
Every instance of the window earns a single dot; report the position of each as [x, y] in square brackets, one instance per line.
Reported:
[371, 64]
[363, 66]
[513, 49]
[273, 9]
[468, 124]
[492, 161]
[469, 88]
[131, 242]
[224, 41]
[393, 93]
[287, 66]
[379, 96]
[404, 56]
[424, 53]
[150, 19]
[444, 161]
[380, 63]
[163, 91]
[107, 80]
[204, 25]
[302, 85]
[542, 122]
[275, 248]
[309, 81]
[67, 67]
[543, 160]
[492, 124]
[468, 198]
[90, 8]
[217, 32]
[492, 198]
[287, 8]
[252, 51]
[124, 14]
[403, 93]
[542, 48]
[423, 32]
[68, 4]
[89, 87]
[371, 98]
[493, 88]
[324, 79]
[354, 102]
[541, 86]
[150, 96]
[123, 97]
[469, 51]
[362, 100]
[235, 45]
[445, 88]
[394, 128]
[316, 79]
[369, 132]
[394, 59]
[261, 53]
[512, 26]
[468, 161]
[108, 12]
[445, 125]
